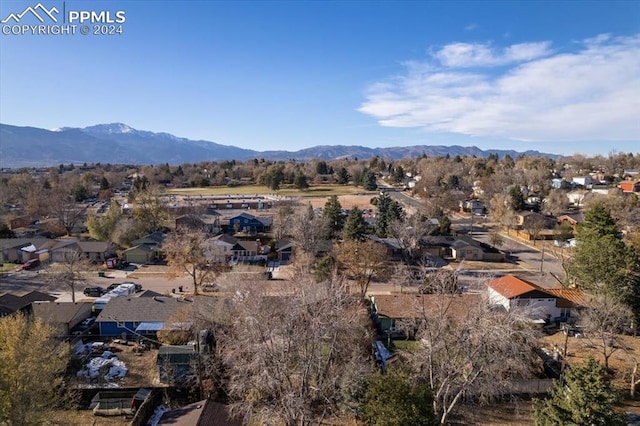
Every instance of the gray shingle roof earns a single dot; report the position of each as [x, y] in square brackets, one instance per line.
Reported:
[57, 312]
[138, 309]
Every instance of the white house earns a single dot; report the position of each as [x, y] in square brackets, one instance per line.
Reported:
[545, 305]
[584, 181]
[220, 247]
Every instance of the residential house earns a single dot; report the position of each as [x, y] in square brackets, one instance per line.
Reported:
[209, 223]
[572, 219]
[95, 251]
[583, 181]
[466, 249]
[601, 189]
[249, 224]
[543, 305]
[399, 315]
[461, 247]
[64, 248]
[63, 316]
[524, 216]
[19, 250]
[559, 183]
[138, 316]
[476, 207]
[630, 174]
[578, 197]
[13, 302]
[284, 250]
[201, 413]
[630, 186]
[20, 222]
[220, 247]
[392, 246]
[145, 250]
[248, 251]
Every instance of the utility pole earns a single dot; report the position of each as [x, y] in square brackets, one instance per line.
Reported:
[542, 260]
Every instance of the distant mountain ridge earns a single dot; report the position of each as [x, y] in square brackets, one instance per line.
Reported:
[118, 143]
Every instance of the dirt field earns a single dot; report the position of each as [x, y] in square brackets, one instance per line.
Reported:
[362, 201]
[621, 362]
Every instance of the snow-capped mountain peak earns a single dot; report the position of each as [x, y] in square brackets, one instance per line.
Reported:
[110, 129]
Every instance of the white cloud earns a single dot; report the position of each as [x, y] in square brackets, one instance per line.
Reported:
[462, 55]
[587, 95]
[471, 27]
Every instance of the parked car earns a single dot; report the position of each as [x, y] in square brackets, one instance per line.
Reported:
[30, 264]
[94, 291]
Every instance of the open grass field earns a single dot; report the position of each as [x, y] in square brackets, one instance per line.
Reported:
[313, 191]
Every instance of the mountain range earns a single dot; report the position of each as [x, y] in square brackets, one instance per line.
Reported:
[118, 143]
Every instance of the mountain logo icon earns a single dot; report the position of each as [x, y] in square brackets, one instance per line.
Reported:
[43, 11]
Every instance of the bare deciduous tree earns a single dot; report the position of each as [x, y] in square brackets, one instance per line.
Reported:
[469, 349]
[291, 360]
[63, 207]
[307, 229]
[70, 270]
[604, 319]
[362, 260]
[150, 209]
[534, 224]
[410, 231]
[187, 252]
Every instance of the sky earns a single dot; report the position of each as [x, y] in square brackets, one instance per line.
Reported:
[555, 76]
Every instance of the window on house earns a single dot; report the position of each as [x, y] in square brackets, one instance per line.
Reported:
[523, 302]
[120, 324]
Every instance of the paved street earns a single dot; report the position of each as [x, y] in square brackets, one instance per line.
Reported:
[530, 258]
[151, 278]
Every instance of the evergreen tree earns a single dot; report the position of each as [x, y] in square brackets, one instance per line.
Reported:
[343, 176]
[517, 198]
[395, 399]
[104, 184]
[332, 214]
[300, 181]
[398, 174]
[356, 227]
[274, 177]
[584, 399]
[444, 225]
[601, 260]
[369, 180]
[388, 211]
[321, 168]
[6, 232]
[80, 192]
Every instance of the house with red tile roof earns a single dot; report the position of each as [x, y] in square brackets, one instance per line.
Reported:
[556, 304]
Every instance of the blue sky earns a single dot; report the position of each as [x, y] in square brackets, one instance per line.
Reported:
[559, 77]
